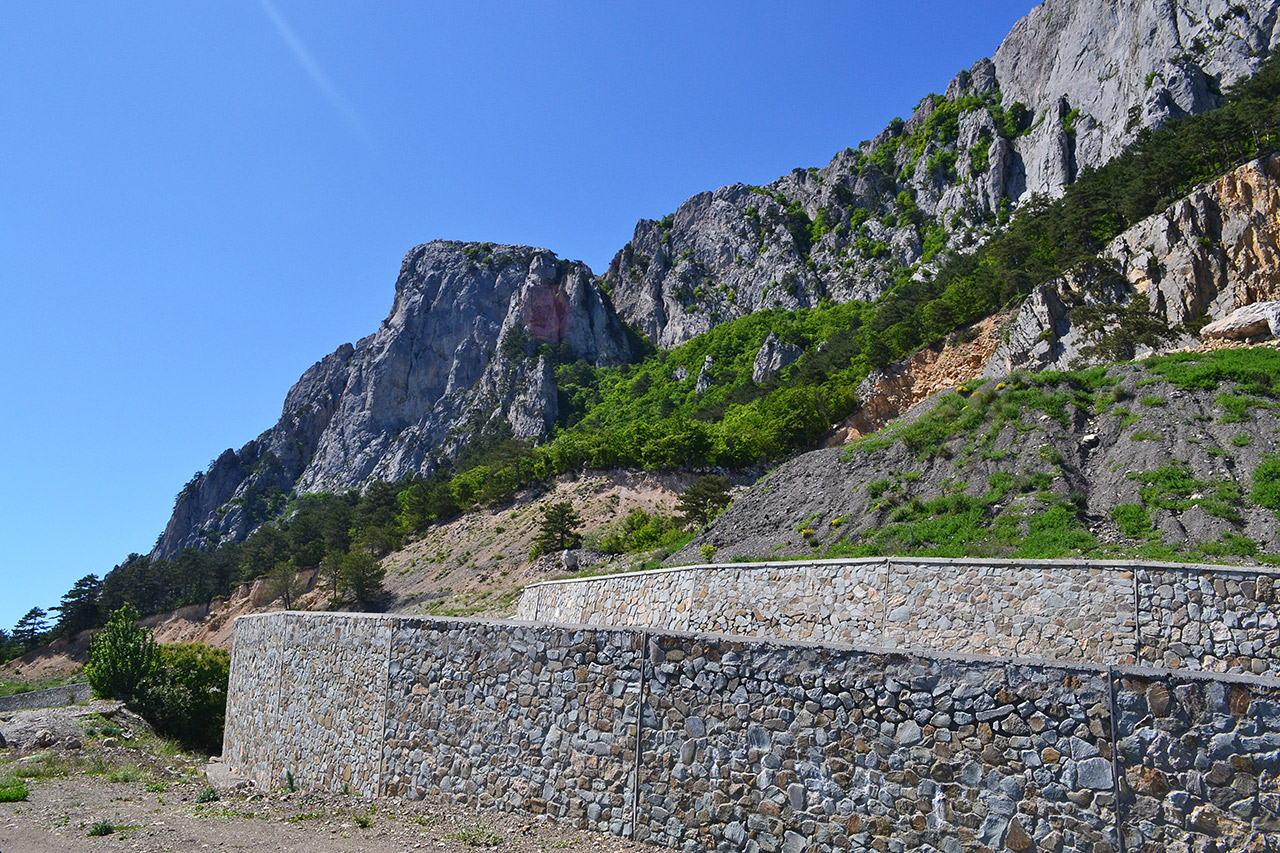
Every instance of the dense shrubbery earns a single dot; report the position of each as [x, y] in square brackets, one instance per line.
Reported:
[180, 689]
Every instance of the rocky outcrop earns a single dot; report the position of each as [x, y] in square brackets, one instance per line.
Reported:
[1203, 257]
[468, 348]
[1071, 85]
[1116, 66]
[1211, 252]
[1086, 459]
[773, 355]
[889, 392]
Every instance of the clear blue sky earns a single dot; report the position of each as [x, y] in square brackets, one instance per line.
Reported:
[202, 199]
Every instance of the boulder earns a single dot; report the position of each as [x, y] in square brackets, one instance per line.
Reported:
[1260, 319]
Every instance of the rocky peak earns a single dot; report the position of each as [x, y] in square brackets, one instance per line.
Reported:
[1116, 66]
[468, 347]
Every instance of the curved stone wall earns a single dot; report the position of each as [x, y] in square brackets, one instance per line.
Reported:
[1215, 618]
[710, 742]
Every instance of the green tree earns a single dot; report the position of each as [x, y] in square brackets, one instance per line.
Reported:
[121, 657]
[283, 583]
[331, 570]
[185, 696]
[79, 608]
[31, 630]
[261, 551]
[704, 500]
[363, 575]
[558, 529]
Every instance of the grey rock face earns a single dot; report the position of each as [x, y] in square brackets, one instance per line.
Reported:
[1123, 65]
[772, 356]
[1090, 76]
[704, 376]
[1260, 318]
[457, 355]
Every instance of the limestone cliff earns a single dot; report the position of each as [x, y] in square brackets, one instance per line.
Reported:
[1070, 86]
[1199, 259]
[470, 344]
[461, 353]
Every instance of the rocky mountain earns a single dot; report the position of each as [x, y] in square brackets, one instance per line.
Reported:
[467, 350]
[1069, 88]
[476, 330]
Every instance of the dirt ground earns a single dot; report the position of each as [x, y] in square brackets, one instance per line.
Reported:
[99, 768]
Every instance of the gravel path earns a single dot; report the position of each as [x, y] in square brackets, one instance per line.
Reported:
[60, 813]
[116, 773]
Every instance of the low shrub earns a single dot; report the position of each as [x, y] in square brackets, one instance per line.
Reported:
[13, 790]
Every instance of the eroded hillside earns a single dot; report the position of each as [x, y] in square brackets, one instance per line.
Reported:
[1172, 458]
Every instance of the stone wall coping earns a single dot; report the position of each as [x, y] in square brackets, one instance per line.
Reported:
[755, 640]
[1198, 568]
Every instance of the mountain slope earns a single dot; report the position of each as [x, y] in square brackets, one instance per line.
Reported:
[1175, 457]
[477, 342]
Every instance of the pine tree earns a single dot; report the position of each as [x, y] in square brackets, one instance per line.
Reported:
[363, 575]
[79, 608]
[558, 529]
[704, 500]
[31, 629]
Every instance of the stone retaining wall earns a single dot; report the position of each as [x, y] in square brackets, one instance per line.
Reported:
[711, 742]
[50, 698]
[1216, 618]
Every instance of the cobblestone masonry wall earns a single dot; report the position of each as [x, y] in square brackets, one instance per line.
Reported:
[758, 745]
[1223, 621]
[50, 698]
[1215, 618]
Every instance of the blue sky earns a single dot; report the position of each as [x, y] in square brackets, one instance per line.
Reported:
[202, 199]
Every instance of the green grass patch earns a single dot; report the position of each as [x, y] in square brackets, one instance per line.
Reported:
[44, 765]
[127, 773]
[959, 524]
[1237, 408]
[13, 790]
[1173, 487]
[1241, 439]
[1254, 370]
[1133, 520]
[1266, 484]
